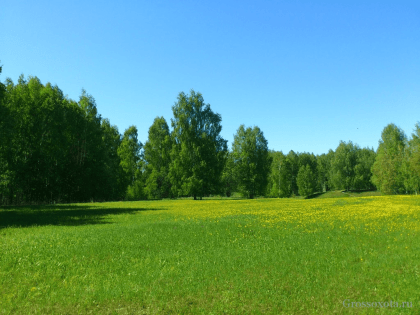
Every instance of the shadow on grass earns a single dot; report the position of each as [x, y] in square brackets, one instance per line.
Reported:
[344, 194]
[316, 195]
[359, 190]
[65, 215]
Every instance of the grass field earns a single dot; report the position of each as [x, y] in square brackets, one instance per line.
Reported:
[343, 194]
[264, 256]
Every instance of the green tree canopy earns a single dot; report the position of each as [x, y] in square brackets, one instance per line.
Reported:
[324, 169]
[55, 148]
[199, 152]
[411, 162]
[157, 157]
[113, 174]
[283, 174]
[129, 153]
[306, 180]
[343, 165]
[273, 186]
[293, 161]
[229, 180]
[387, 170]
[6, 125]
[252, 161]
[363, 174]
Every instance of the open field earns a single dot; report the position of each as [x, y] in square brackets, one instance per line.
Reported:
[264, 256]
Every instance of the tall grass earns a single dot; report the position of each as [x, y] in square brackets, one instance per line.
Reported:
[265, 256]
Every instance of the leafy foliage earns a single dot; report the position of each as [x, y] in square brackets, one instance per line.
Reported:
[54, 149]
[306, 180]
[131, 163]
[157, 159]
[343, 165]
[199, 152]
[363, 174]
[252, 161]
[324, 169]
[229, 180]
[387, 170]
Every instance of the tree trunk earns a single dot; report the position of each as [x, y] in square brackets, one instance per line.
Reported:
[11, 196]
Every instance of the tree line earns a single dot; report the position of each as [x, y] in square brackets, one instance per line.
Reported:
[394, 168]
[54, 149]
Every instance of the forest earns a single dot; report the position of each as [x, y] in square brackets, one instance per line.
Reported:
[57, 150]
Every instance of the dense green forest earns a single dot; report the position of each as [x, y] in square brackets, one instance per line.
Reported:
[54, 149]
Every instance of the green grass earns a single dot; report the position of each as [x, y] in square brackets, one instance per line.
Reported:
[140, 258]
[344, 194]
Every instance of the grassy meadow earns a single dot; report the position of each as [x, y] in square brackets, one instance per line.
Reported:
[263, 256]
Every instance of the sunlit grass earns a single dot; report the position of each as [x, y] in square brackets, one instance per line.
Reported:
[266, 256]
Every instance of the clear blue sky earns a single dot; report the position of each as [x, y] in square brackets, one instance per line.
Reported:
[308, 73]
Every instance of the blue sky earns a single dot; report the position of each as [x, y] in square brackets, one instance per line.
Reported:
[308, 73]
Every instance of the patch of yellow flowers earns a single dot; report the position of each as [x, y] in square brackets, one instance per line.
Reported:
[392, 212]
